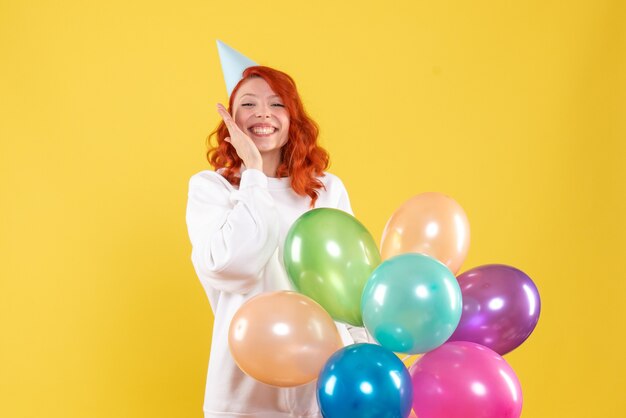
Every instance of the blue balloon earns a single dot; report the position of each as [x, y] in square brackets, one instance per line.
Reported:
[364, 381]
[411, 303]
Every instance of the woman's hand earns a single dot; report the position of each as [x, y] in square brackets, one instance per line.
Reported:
[244, 146]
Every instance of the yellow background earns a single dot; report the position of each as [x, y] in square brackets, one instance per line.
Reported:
[515, 109]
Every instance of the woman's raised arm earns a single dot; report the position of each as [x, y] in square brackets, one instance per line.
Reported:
[233, 232]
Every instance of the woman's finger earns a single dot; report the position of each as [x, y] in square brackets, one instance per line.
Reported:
[223, 112]
[228, 120]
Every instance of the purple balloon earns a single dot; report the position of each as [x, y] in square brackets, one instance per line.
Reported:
[465, 380]
[500, 307]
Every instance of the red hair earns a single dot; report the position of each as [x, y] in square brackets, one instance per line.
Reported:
[301, 158]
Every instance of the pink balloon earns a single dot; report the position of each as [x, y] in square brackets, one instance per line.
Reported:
[465, 380]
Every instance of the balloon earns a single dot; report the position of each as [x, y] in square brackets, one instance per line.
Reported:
[463, 379]
[500, 307]
[282, 338]
[364, 381]
[431, 224]
[411, 303]
[329, 256]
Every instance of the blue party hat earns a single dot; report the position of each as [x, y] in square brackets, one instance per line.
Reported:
[233, 65]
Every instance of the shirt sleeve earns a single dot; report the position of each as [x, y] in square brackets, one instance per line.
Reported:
[233, 233]
[359, 334]
[344, 200]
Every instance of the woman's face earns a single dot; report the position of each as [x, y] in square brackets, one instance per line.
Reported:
[261, 114]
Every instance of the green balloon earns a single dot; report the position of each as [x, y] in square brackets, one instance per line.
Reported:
[329, 256]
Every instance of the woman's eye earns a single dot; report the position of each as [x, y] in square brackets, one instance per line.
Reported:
[247, 104]
[278, 105]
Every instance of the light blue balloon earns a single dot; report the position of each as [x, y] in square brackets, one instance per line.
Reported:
[411, 303]
[364, 381]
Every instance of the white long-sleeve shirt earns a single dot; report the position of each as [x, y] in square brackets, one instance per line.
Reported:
[237, 236]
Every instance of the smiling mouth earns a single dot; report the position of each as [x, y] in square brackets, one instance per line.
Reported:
[262, 130]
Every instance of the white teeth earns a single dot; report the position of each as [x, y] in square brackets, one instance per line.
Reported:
[262, 130]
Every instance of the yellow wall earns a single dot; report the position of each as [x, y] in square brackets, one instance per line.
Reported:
[516, 109]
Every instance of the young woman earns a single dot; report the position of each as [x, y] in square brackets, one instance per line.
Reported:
[269, 171]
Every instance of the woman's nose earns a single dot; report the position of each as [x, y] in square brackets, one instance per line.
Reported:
[263, 112]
